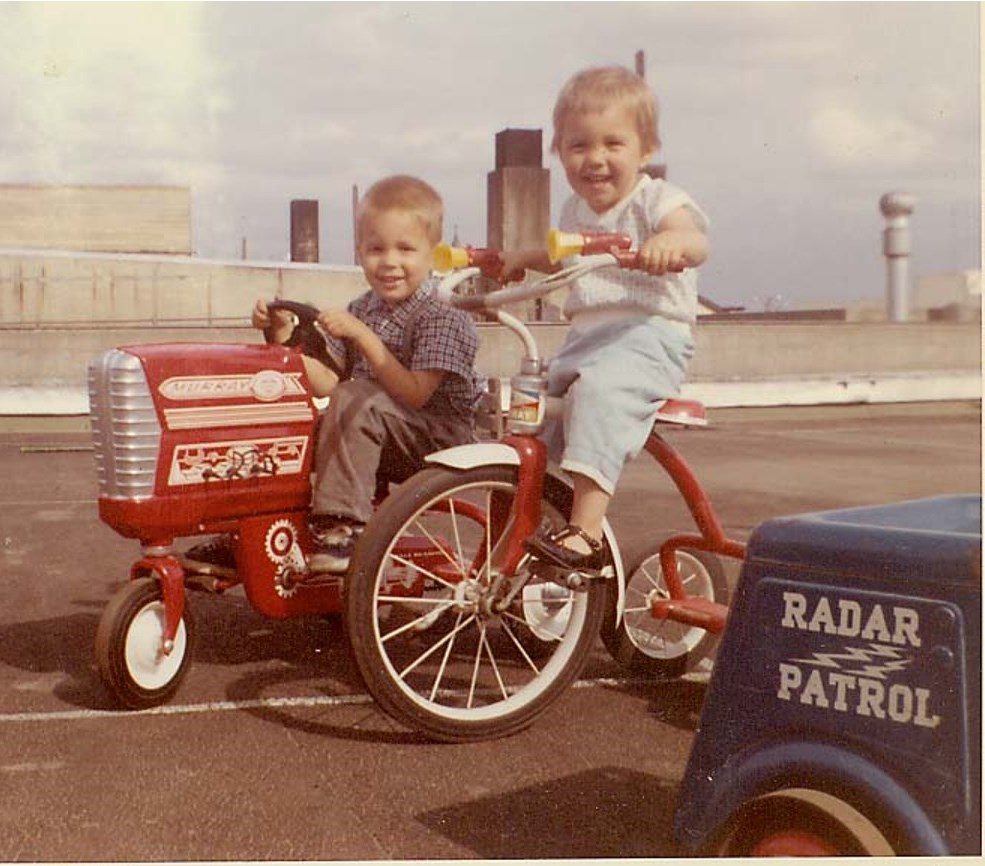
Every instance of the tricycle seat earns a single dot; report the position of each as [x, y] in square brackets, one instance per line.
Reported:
[687, 413]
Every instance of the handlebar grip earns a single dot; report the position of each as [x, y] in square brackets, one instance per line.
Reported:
[631, 259]
[449, 258]
[626, 258]
[560, 244]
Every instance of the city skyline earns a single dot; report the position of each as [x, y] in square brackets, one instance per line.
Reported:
[785, 121]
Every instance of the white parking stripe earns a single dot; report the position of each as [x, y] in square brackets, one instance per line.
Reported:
[261, 703]
[187, 709]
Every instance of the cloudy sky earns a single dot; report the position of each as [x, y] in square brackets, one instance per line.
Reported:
[786, 121]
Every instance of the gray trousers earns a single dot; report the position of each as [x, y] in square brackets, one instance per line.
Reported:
[366, 440]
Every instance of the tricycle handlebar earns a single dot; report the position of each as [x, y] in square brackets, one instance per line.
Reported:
[524, 291]
[591, 251]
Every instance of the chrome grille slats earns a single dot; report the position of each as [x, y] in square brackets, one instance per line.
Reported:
[125, 431]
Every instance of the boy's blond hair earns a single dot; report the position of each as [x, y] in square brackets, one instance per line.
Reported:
[595, 88]
[402, 192]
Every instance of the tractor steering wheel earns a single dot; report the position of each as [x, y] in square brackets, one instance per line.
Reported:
[307, 335]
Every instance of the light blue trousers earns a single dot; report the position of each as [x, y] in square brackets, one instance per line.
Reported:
[612, 377]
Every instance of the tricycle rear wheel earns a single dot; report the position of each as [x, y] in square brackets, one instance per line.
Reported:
[129, 654]
[646, 645]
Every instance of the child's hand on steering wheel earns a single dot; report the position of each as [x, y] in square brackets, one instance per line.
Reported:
[262, 318]
[341, 323]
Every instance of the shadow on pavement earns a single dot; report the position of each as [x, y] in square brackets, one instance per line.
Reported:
[673, 702]
[228, 632]
[358, 721]
[60, 644]
[604, 812]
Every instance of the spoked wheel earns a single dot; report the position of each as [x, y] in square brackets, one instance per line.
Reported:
[445, 642]
[801, 823]
[129, 656]
[662, 647]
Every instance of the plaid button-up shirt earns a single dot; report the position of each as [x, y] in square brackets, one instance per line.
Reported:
[423, 334]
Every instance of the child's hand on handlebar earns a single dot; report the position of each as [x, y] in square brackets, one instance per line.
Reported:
[677, 244]
[514, 264]
[662, 253]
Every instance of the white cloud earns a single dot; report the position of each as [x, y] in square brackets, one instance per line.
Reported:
[104, 89]
[848, 137]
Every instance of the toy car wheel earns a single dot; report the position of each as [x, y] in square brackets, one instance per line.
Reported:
[446, 643]
[801, 823]
[129, 655]
[660, 647]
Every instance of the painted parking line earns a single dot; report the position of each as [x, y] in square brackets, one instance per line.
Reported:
[189, 709]
[700, 676]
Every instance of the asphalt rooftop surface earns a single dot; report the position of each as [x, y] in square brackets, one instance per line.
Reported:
[272, 750]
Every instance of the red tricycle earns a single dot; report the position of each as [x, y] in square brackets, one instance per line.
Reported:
[490, 641]
[454, 631]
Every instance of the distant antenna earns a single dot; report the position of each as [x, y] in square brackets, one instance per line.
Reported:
[658, 170]
[355, 207]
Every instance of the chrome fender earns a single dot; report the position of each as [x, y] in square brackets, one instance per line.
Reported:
[477, 454]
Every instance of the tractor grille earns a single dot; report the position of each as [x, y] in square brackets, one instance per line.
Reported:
[126, 435]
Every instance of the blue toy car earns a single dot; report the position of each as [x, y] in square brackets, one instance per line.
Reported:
[843, 714]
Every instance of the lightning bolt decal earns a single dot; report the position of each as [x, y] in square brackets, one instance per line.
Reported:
[859, 660]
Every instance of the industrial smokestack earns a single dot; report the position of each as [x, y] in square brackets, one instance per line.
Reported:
[304, 230]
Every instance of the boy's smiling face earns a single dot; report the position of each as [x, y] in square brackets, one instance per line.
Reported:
[602, 155]
[395, 253]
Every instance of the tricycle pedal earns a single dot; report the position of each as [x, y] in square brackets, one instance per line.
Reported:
[577, 581]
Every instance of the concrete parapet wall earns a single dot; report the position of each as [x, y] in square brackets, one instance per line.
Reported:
[58, 289]
[57, 311]
[765, 350]
[744, 350]
[783, 364]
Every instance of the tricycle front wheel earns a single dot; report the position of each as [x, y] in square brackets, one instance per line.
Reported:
[446, 642]
[129, 653]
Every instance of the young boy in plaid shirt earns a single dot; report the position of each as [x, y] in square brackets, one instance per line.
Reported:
[413, 388]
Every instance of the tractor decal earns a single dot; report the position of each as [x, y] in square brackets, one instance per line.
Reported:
[251, 414]
[236, 460]
[266, 386]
